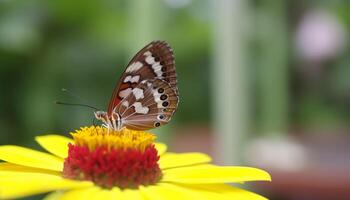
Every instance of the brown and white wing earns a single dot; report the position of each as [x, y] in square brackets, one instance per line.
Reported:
[154, 61]
[150, 104]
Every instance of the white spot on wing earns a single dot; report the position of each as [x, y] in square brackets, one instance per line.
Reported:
[135, 79]
[150, 60]
[125, 103]
[125, 93]
[156, 96]
[140, 109]
[134, 67]
[157, 69]
[127, 79]
[138, 93]
[147, 53]
[132, 79]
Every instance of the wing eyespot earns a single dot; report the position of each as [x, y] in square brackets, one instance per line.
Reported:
[161, 117]
[165, 103]
[156, 124]
[163, 97]
[160, 90]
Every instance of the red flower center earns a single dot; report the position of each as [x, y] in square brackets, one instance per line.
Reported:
[109, 166]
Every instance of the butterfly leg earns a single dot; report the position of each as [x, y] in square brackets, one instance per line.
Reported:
[94, 123]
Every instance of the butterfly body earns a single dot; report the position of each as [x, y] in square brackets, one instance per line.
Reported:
[146, 95]
[113, 121]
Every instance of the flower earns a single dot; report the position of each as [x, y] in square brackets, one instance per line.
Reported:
[127, 164]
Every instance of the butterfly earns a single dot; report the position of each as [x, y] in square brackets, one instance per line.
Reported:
[146, 95]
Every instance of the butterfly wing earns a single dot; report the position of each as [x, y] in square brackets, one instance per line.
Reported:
[151, 104]
[154, 61]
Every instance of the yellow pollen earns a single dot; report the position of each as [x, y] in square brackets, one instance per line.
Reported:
[93, 137]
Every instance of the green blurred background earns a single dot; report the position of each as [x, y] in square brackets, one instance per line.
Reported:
[264, 83]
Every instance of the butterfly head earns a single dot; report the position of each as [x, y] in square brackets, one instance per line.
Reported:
[109, 121]
[101, 115]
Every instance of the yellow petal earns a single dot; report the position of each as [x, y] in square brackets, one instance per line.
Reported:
[212, 191]
[4, 166]
[214, 174]
[98, 193]
[21, 184]
[55, 144]
[161, 148]
[157, 192]
[31, 158]
[132, 195]
[54, 195]
[79, 194]
[92, 193]
[189, 192]
[172, 160]
[229, 191]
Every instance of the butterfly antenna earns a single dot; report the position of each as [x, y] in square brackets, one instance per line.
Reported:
[76, 104]
[76, 97]
[72, 94]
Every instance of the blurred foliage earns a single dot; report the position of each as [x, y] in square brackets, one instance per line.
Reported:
[84, 46]
[323, 102]
[81, 46]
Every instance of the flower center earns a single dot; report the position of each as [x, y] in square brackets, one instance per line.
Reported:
[125, 158]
